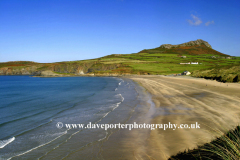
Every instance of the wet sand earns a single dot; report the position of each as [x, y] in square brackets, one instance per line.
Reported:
[186, 100]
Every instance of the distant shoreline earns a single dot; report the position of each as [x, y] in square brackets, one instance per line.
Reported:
[124, 76]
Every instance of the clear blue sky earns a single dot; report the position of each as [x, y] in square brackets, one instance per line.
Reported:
[65, 30]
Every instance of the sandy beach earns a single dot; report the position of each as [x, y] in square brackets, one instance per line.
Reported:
[126, 100]
[187, 100]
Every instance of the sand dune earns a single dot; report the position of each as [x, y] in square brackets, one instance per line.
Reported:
[186, 100]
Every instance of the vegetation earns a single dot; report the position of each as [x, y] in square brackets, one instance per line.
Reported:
[222, 74]
[160, 60]
[226, 147]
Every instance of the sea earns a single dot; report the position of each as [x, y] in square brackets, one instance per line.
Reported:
[34, 112]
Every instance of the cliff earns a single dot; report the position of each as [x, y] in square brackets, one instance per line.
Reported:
[55, 69]
[162, 60]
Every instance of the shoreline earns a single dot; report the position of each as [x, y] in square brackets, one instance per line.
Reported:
[127, 103]
[132, 144]
[119, 75]
[179, 100]
[186, 100]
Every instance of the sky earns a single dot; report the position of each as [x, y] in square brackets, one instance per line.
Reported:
[66, 30]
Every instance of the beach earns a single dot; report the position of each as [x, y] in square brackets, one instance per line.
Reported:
[186, 100]
[112, 100]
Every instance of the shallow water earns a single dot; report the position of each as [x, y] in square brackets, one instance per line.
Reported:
[31, 107]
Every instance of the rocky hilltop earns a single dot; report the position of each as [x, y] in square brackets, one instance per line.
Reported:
[198, 42]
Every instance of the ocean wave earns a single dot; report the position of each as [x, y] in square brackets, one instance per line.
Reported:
[3, 143]
[105, 115]
[121, 82]
[22, 118]
[38, 146]
[114, 106]
[120, 95]
[48, 135]
[103, 137]
[57, 134]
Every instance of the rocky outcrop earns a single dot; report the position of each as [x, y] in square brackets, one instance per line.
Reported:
[80, 72]
[18, 71]
[49, 73]
[198, 42]
[62, 68]
[9, 71]
[3, 70]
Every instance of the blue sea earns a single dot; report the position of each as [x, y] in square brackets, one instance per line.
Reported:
[30, 108]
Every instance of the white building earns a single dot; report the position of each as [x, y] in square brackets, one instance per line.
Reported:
[194, 62]
[186, 63]
[186, 73]
[190, 63]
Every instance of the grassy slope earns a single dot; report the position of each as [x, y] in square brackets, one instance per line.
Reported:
[166, 61]
[152, 61]
[229, 73]
[226, 147]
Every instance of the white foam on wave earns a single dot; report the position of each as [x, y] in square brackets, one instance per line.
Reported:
[113, 108]
[116, 89]
[121, 97]
[57, 134]
[106, 114]
[104, 137]
[116, 105]
[48, 135]
[65, 132]
[121, 82]
[62, 142]
[3, 143]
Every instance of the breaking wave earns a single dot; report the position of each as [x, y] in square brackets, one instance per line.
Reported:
[121, 82]
[61, 134]
[3, 143]
[120, 95]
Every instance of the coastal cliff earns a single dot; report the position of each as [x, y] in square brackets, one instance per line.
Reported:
[58, 69]
[19, 71]
[164, 60]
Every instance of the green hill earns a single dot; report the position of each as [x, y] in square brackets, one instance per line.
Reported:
[162, 60]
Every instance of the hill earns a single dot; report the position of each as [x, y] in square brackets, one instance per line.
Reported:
[198, 47]
[165, 59]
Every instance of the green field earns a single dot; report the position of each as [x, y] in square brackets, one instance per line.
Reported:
[148, 61]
